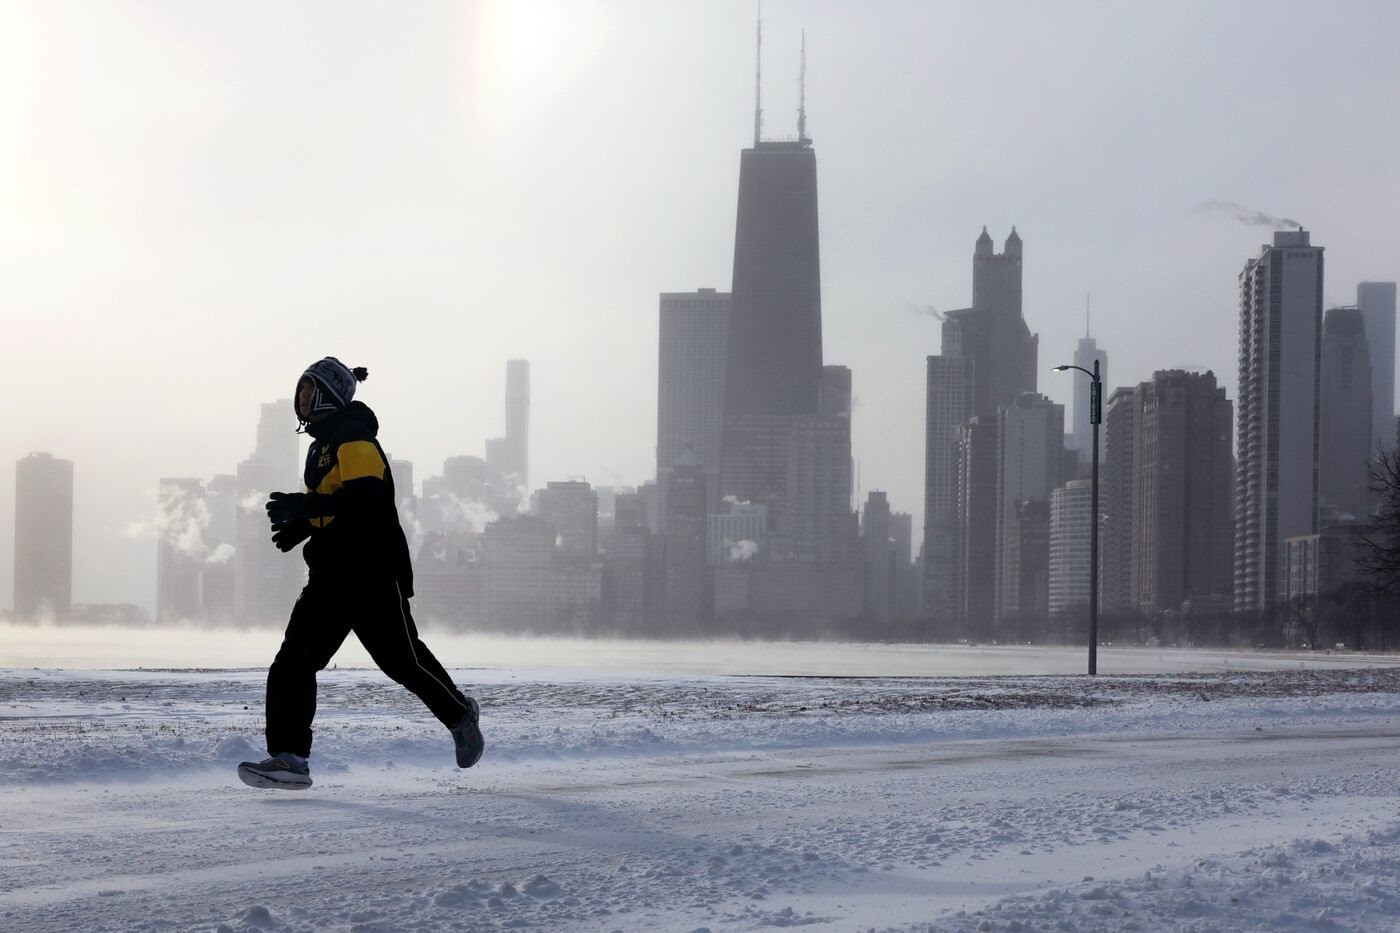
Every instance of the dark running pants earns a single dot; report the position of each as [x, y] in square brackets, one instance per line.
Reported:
[324, 614]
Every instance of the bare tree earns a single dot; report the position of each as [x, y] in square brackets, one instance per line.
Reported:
[1300, 620]
[1378, 545]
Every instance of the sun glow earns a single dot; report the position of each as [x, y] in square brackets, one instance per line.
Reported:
[522, 54]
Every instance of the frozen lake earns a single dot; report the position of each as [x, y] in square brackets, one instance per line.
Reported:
[98, 648]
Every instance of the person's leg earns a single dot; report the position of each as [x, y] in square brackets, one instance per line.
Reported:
[385, 627]
[318, 626]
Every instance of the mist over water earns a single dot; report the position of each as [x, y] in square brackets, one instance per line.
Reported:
[117, 648]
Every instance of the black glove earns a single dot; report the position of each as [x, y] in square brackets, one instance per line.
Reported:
[285, 507]
[287, 535]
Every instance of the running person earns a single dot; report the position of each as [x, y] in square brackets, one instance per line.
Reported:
[360, 579]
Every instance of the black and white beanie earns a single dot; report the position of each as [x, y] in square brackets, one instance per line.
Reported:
[333, 384]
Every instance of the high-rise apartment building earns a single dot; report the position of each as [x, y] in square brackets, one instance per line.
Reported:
[43, 537]
[976, 512]
[1025, 604]
[1069, 547]
[1377, 303]
[947, 405]
[1276, 483]
[880, 575]
[1318, 564]
[1344, 416]
[1119, 481]
[686, 587]
[817, 521]
[907, 588]
[1029, 462]
[694, 344]
[1181, 537]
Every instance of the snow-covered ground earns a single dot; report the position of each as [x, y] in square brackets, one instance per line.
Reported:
[1207, 801]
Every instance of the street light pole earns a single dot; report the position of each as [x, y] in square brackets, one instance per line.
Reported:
[1095, 416]
[1095, 419]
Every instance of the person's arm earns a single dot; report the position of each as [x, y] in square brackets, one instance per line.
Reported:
[362, 488]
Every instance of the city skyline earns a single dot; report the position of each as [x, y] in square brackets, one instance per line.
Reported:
[371, 238]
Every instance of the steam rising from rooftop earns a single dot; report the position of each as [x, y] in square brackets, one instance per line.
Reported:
[1246, 215]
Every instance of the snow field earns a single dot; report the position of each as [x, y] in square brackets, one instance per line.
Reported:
[1210, 802]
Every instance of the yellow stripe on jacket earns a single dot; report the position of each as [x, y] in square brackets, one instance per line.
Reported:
[358, 459]
[354, 460]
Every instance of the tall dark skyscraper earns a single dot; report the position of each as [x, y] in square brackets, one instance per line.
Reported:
[1377, 303]
[1004, 348]
[786, 435]
[988, 359]
[775, 343]
[775, 336]
[1344, 415]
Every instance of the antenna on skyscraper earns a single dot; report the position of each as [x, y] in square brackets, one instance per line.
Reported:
[1086, 315]
[802, 93]
[758, 80]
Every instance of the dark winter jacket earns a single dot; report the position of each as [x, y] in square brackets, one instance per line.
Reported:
[360, 536]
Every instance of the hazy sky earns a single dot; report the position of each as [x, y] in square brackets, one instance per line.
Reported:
[199, 199]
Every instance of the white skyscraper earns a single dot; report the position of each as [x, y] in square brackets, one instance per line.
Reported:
[1082, 432]
[1069, 546]
[1276, 478]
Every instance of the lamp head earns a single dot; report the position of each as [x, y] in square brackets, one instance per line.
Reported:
[1059, 369]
